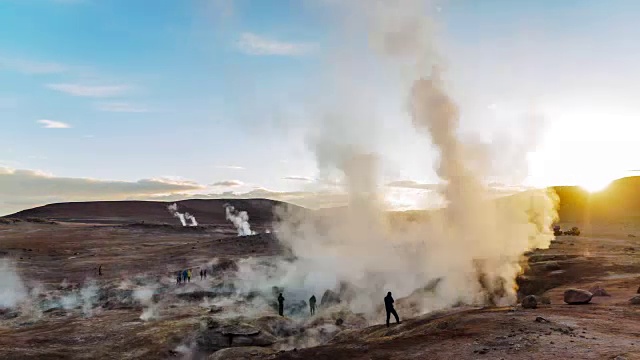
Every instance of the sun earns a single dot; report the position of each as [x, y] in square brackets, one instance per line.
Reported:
[595, 184]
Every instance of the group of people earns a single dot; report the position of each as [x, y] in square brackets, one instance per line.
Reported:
[388, 306]
[184, 276]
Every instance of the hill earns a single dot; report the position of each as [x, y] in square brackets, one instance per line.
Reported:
[207, 212]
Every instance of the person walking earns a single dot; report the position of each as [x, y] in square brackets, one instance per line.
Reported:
[201, 275]
[179, 278]
[189, 275]
[281, 304]
[388, 306]
[312, 304]
[184, 276]
[205, 274]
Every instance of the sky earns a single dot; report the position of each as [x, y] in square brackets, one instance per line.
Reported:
[116, 99]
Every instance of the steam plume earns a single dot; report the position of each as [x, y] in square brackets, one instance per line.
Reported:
[240, 220]
[173, 208]
[471, 249]
[12, 289]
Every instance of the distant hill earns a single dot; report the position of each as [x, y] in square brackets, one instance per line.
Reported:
[620, 201]
[207, 212]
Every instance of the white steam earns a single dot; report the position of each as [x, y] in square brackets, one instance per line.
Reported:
[471, 249]
[12, 289]
[144, 296]
[240, 220]
[173, 209]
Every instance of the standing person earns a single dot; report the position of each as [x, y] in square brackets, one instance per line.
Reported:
[184, 276]
[312, 304]
[189, 275]
[100, 270]
[281, 305]
[201, 274]
[179, 278]
[388, 305]
[205, 274]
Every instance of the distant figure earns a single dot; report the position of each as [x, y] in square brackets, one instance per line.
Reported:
[184, 276]
[100, 270]
[205, 273]
[281, 305]
[312, 304]
[388, 305]
[178, 278]
[189, 275]
[201, 275]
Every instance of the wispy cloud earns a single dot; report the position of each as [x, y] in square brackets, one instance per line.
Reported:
[51, 124]
[228, 183]
[410, 184]
[31, 67]
[253, 44]
[230, 167]
[298, 178]
[121, 107]
[90, 91]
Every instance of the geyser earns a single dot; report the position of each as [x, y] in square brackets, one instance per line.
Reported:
[173, 209]
[240, 220]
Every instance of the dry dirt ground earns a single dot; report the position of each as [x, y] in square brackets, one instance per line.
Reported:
[66, 255]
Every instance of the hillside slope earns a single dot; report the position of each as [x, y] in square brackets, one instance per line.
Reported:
[207, 212]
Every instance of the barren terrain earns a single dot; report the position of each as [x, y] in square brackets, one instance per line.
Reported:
[74, 313]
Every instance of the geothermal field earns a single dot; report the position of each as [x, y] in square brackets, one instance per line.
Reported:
[56, 305]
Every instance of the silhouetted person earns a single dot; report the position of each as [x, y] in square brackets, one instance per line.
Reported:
[388, 305]
[201, 274]
[100, 270]
[205, 273]
[312, 304]
[179, 278]
[281, 305]
[184, 276]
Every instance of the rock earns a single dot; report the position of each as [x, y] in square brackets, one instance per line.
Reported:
[529, 302]
[240, 353]
[577, 296]
[339, 322]
[216, 336]
[196, 295]
[277, 325]
[635, 300]
[638, 292]
[552, 266]
[225, 264]
[599, 291]
[540, 319]
[329, 298]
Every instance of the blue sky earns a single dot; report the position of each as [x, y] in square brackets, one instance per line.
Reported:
[208, 91]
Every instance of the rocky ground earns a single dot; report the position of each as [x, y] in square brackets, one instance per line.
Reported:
[136, 311]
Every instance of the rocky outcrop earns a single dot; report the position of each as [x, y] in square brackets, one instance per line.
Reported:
[529, 302]
[635, 300]
[241, 353]
[329, 298]
[577, 296]
[216, 336]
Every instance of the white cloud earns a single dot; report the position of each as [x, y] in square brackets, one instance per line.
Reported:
[230, 167]
[253, 44]
[21, 189]
[298, 178]
[31, 67]
[120, 107]
[90, 91]
[50, 124]
[228, 183]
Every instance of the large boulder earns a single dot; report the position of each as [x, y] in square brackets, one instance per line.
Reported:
[529, 302]
[241, 353]
[215, 336]
[577, 296]
[635, 300]
[598, 291]
[329, 298]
